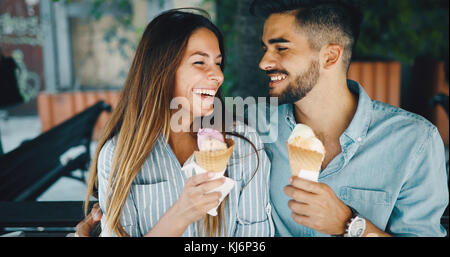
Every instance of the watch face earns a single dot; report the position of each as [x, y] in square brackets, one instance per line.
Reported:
[357, 227]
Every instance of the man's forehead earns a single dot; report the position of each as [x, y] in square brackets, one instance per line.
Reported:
[280, 26]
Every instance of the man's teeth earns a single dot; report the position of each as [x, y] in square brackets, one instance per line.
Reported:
[205, 92]
[278, 78]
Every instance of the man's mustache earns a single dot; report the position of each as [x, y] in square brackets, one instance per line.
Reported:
[268, 72]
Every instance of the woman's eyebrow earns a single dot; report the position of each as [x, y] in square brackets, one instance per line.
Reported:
[204, 54]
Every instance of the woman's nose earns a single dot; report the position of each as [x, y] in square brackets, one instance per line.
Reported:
[216, 75]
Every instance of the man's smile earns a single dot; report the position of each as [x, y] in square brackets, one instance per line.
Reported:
[276, 79]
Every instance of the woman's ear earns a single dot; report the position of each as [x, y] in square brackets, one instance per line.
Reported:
[330, 55]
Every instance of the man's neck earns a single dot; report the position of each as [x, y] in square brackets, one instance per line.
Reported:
[328, 109]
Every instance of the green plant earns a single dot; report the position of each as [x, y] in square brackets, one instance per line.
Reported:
[403, 30]
[226, 16]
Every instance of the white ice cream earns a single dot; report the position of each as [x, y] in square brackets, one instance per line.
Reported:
[301, 130]
[303, 136]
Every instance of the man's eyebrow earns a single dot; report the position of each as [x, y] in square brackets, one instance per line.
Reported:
[278, 40]
[204, 54]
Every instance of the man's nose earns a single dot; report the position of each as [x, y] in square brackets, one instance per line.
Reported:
[267, 62]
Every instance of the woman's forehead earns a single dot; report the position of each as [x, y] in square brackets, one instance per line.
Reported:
[203, 41]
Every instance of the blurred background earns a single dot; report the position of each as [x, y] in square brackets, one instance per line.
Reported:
[60, 57]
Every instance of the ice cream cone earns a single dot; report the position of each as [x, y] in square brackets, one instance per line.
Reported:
[215, 161]
[303, 159]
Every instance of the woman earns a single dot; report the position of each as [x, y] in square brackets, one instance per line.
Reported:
[141, 188]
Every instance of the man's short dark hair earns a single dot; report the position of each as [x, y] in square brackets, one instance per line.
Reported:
[324, 21]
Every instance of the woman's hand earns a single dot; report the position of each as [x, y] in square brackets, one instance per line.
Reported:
[193, 204]
[195, 201]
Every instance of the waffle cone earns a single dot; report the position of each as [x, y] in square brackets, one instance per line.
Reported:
[215, 161]
[300, 158]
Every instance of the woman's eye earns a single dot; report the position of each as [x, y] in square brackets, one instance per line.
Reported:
[218, 64]
[199, 62]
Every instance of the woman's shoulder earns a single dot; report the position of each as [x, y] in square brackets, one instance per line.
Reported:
[107, 148]
[105, 157]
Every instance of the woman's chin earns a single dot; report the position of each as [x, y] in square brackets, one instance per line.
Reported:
[203, 113]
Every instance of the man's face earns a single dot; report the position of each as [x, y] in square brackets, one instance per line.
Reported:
[293, 67]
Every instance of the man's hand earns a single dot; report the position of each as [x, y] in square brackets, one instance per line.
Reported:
[316, 206]
[86, 226]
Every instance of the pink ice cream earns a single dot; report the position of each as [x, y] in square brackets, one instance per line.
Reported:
[210, 140]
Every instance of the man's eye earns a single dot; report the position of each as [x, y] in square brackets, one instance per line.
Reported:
[219, 64]
[280, 49]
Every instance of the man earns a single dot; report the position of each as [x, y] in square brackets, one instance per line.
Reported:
[90, 225]
[383, 172]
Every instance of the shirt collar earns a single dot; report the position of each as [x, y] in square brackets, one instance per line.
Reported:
[357, 130]
[287, 113]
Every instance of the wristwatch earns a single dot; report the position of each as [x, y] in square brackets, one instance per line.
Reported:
[356, 226]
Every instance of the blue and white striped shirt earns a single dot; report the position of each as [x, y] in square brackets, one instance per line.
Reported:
[160, 182]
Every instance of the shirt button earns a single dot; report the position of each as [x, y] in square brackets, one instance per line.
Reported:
[359, 139]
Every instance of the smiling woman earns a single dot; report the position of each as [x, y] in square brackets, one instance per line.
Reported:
[199, 75]
[138, 165]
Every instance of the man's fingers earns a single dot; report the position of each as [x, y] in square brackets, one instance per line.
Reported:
[302, 219]
[298, 194]
[300, 208]
[96, 213]
[305, 185]
[83, 229]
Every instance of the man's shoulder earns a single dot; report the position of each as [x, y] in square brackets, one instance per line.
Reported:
[398, 118]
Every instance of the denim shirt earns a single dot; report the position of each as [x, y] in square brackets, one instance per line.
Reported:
[391, 170]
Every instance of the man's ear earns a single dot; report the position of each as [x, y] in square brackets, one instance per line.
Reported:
[330, 55]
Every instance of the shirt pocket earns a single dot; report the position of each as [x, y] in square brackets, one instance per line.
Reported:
[151, 202]
[375, 205]
[251, 207]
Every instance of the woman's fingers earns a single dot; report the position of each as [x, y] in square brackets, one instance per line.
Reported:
[210, 185]
[211, 200]
[200, 178]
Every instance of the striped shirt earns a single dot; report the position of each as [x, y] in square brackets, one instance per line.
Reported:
[160, 182]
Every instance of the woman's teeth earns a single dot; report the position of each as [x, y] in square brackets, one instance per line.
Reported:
[208, 92]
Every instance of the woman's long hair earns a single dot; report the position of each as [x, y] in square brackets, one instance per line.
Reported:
[143, 112]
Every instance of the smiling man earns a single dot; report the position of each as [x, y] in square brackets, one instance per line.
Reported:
[384, 170]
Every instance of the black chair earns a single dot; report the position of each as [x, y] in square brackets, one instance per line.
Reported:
[27, 171]
[40, 219]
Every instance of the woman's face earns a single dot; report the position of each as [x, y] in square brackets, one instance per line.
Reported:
[199, 75]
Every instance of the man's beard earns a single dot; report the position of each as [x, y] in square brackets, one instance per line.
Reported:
[303, 84]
